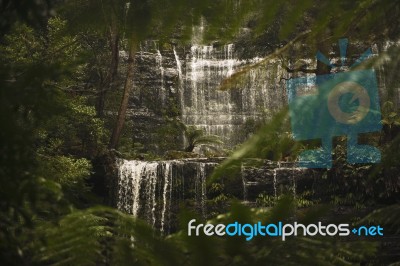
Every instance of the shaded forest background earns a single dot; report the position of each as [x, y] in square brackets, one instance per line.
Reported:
[59, 78]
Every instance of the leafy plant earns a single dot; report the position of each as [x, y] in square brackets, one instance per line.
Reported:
[272, 142]
[196, 137]
[103, 236]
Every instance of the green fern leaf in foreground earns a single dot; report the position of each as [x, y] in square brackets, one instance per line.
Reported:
[104, 236]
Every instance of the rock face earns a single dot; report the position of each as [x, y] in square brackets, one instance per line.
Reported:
[154, 102]
[277, 178]
[181, 84]
[223, 113]
[155, 190]
[176, 85]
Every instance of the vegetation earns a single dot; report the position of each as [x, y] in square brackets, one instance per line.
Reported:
[196, 137]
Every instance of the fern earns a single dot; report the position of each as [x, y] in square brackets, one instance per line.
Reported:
[104, 236]
[101, 236]
[196, 137]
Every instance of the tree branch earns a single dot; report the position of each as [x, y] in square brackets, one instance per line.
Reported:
[226, 83]
[303, 68]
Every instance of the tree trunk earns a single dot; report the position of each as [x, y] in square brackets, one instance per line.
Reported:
[114, 49]
[113, 69]
[125, 100]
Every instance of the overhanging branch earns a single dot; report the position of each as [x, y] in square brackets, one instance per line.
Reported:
[226, 83]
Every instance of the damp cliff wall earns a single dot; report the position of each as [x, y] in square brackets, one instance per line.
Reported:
[182, 83]
[157, 190]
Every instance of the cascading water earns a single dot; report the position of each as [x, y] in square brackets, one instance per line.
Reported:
[150, 171]
[166, 189]
[219, 112]
[275, 180]
[296, 171]
[152, 190]
[178, 64]
[149, 189]
[275, 194]
[159, 60]
[189, 80]
[200, 188]
[180, 78]
[129, 181]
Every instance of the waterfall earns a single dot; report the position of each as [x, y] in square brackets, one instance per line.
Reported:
[130, 174]
[180, 76]
[189, 79]
[201, 189]
[150, 171]
[275, 195]
[197, 71]
[275, 181]
[152, 190]
[223, 113]
[204, 106]
[159, 60]
[296, 172]
[230, 61]
[167, 188]
[178, 64]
